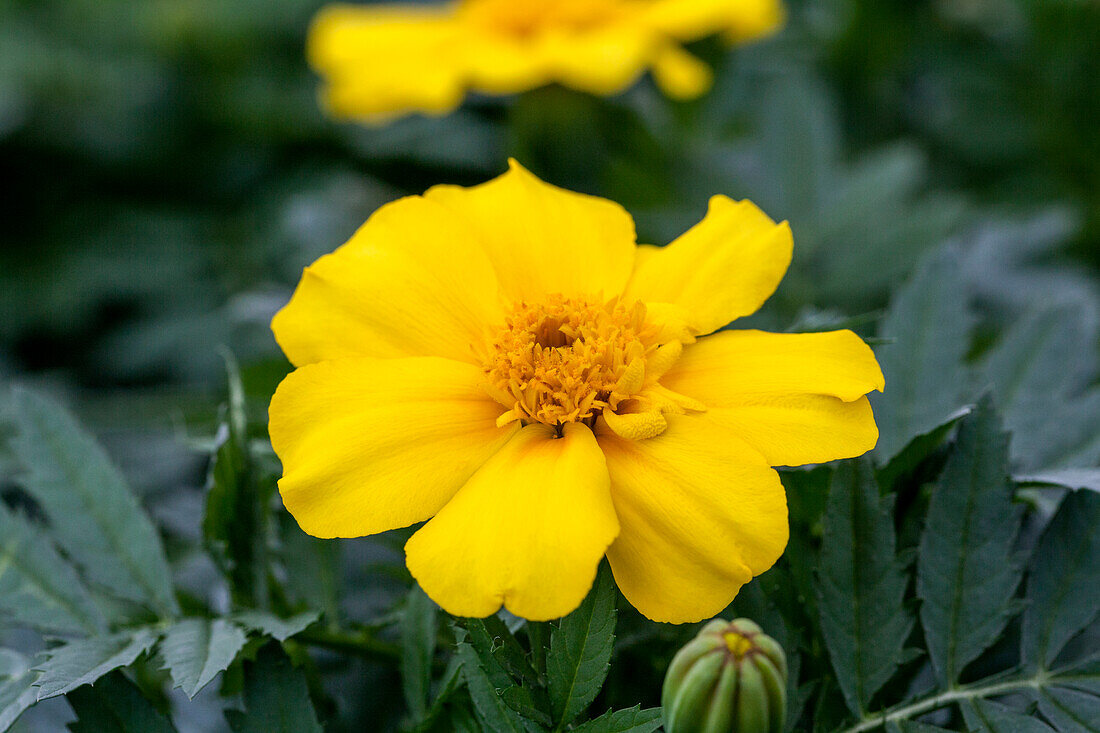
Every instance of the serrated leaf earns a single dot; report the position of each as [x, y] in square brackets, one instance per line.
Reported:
[1069, 710]
[966, 572]
[919, 448]
[277, 628]
[115, 705]
[85, 661]
[1069, 478]
[580, 650]
[196, 650]
[38, 589]
[485, 683]
[17, 691]
[1063, 586]
[910, 726]
[94, 515]
[861, 585]
[1041, 364]
[452, 681]
[276, 698]
[234, 527]
[929, 326]
[418, 634]
[985, 716]
[631, 720]
[522, 700]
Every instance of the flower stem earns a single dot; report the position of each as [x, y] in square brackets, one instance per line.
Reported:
[956, 694]
[360, 644]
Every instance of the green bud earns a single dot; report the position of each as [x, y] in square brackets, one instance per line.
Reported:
[730, 678]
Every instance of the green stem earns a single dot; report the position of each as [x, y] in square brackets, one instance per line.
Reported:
[538, 633]
[358, 644]
[957, 694]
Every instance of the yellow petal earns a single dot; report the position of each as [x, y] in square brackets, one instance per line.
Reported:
[383, 61]
[527, 531]
[700, 514]
[796, 398]
[636, 425]
[681, 75]
[542, 239]
[603, 61]
[691, 19]
[723, 268]
[413, 281]
[793, 430]
[724, 369]
[369, 445]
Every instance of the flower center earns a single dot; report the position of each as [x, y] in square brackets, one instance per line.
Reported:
[527, 17]
[568, 359]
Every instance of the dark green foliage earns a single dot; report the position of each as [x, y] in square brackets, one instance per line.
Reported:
[966, 572]
[861, 585]
[197, 650]
[276, 699]
[83, 662]
[114, 705]
[95, 516]
[418, 637]
[37, 587]
[580, 650]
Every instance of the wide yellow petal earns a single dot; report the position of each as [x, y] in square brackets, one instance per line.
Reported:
[725, 368]
[692, 19]
[413, 281]
[379, 62]
[700, 514]
[542, 239]
[723, 268]
[369, 445]
[527, 531]
[793, 430]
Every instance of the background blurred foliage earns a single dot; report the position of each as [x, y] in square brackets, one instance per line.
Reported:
[169, 174]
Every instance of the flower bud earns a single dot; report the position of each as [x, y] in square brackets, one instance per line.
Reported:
[730, 678]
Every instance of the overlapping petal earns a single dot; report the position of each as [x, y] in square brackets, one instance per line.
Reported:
[413, 281]
[526, 531]
[796, 398]
[723, 268]
[700, 514]
[542, 239]
[369, 445]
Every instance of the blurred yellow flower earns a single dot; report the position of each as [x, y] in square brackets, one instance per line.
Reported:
[506, 362]
[382, 61]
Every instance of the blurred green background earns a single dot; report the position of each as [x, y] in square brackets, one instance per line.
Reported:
[167, 175]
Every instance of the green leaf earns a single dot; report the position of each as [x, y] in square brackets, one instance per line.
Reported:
[277, 628]
[984, 716]
[37, 587]
[85, 661]
[1037, 370]
[418, 634]
[861, 585]
[580, 650]
[1063, 586]
[632, 720]
[909, 726]
[276, 698]
[966, 573]
[486, 681]
[1069, 478]
[196, 650]
[95, 517]
[929, 326]
[115, 705]
[919, 448]
[235, 518]
[17, 690]
[1070, 710]
[451, 682]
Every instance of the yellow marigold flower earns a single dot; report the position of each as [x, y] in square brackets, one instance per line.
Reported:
[506, 362]
[381, 61]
